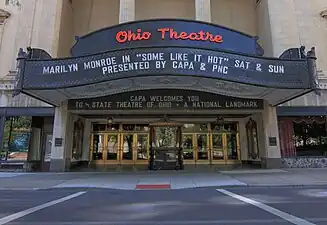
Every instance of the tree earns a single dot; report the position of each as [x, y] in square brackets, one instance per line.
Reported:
[18, 122]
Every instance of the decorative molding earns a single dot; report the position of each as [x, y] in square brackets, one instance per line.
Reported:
[257, 3]
[15, 3]
[6, 87]
[323, 13]
[322, 83]
[145, 83]
[4, 15]
[272, 95]
[8, 82]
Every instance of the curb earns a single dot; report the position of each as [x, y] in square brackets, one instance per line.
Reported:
[169, 187]
[287, 185]
[20, 189]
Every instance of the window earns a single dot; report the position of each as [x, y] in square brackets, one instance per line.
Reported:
[16, 138]
[310, 136]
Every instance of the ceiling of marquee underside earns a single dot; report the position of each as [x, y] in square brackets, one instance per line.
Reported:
[274, 96]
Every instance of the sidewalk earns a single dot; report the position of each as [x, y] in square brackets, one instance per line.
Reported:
[164, 179]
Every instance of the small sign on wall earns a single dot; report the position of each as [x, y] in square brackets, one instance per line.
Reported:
[58, 142]
[273, 141]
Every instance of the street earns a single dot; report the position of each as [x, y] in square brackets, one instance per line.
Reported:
[241, 205]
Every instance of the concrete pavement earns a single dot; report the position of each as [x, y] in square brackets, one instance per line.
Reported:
[285, 177]
[241, 205]
[163, 179]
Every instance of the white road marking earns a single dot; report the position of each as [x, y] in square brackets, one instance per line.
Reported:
[20, 214]
[276, 212]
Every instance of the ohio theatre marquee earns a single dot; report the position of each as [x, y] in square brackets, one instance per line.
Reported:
[165, 55]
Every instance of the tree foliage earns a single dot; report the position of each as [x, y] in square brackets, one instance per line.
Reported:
[18, 122]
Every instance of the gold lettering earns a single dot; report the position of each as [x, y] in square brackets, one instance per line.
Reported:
[101, 105]
[129, 105]
[206, 105]
[166, 98]
[241, 104]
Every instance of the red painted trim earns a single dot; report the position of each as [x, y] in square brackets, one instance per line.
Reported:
[153, 186]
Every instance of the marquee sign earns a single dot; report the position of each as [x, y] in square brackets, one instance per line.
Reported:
[125, 36]
[166, 32]
[59, 73]
[164, 99]
[204, 54]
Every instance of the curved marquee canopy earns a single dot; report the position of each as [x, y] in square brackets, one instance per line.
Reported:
[186, 67]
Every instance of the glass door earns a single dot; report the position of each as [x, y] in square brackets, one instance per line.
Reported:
[142, 148]
[201, 143]
[128, 144]
[112, 147]
[104, 143]
[224, 142]
[232, 146]
[202, 148]
[217, 143]
[188, 148]
[97, 147]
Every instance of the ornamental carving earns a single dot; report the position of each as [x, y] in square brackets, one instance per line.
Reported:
[4, 15]
[323, 13]
[252, 139]
[170, 82]
[15, 3]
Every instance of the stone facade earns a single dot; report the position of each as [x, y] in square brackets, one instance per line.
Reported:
[53, 26]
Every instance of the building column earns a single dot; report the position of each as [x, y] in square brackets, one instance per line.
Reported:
[126, 11]
[203, 10]
[278, 25]
[86, 140]
[59, 161]
[272, 156]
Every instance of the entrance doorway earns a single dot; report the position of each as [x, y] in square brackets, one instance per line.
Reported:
[119, 144]
[192, 144]
[166, 149]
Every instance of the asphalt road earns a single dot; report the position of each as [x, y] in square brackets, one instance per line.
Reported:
[305, 206]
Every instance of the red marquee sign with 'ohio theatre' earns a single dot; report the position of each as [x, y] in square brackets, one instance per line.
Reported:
[125, 36]
[166, 33]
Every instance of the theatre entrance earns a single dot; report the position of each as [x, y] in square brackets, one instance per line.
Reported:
[164, 145]
[166, 148]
